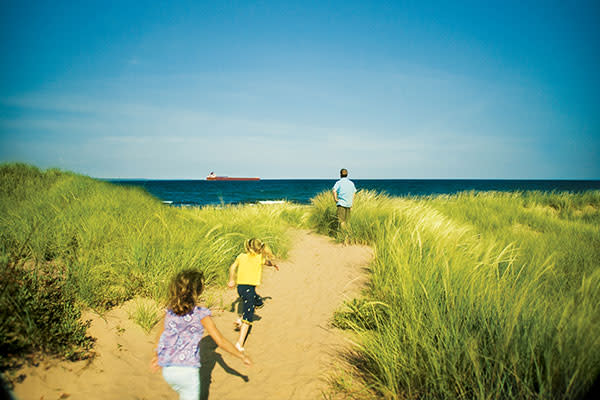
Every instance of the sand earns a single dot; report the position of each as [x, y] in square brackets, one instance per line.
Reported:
[292, 344]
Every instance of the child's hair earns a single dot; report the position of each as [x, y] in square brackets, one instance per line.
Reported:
[184, 290]
[254, 245]
[257, 246]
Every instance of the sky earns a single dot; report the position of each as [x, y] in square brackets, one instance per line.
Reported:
[386, 89]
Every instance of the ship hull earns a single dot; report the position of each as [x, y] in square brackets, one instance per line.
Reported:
[227, 178]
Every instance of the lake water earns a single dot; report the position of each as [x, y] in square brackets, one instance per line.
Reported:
[202, 192]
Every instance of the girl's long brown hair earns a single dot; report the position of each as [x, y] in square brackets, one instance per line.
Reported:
[184, 290]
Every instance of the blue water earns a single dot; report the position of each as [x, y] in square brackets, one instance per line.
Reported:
[201, 192]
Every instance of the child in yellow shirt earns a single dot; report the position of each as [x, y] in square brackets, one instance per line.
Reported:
[249, 272]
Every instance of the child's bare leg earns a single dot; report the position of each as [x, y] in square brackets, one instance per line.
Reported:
[243, 333]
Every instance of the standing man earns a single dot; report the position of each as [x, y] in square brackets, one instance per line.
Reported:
[343, 193]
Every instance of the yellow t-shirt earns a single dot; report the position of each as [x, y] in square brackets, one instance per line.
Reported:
[249, 269]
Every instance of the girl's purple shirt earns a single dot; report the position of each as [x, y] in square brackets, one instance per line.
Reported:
[179, 344]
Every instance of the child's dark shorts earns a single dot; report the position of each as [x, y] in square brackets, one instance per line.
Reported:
[250, 300]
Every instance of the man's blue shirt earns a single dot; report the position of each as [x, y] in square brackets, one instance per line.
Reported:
[345, 190]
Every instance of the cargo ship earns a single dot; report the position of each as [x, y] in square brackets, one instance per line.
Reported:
[213, 177]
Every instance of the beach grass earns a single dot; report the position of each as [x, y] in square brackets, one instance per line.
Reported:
[102, 245]
[475, 295]
[146, 313]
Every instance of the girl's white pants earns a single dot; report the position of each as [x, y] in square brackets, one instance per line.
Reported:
[184, 380]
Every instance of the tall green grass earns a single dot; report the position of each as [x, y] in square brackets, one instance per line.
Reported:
[111, 243]
[476, 295]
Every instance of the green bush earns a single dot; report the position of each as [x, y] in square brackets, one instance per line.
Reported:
[39, 313]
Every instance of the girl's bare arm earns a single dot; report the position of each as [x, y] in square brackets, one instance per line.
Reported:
[268, 256]
[220, 340]
[271, 264]
[232, 269]
[154, 362]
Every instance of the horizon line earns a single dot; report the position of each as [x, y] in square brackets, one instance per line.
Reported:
[357, 179]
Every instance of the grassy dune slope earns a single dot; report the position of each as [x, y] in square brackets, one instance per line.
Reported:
[68, 241]
[482, 296]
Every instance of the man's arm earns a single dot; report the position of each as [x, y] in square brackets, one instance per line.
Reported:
[335, 197]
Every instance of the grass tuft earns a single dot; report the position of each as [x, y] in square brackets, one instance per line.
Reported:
[146, 313]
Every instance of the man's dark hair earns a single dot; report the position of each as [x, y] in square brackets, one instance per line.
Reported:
[343, 172]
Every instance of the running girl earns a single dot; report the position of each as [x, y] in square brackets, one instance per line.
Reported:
[249, 272]
[184, 323]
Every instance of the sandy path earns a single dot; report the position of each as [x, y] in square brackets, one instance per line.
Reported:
[292, 344]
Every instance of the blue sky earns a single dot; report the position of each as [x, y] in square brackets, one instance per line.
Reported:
[300, 89]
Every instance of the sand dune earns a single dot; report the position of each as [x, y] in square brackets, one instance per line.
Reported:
[292, 343]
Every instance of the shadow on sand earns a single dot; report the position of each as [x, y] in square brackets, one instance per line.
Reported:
[210, 358]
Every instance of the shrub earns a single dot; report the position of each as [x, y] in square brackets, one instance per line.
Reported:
[39, 312]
